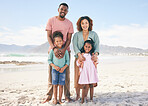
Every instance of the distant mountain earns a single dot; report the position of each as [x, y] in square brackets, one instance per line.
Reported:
[120, 49]
[16, 48]
[41, 48]
[104, 49]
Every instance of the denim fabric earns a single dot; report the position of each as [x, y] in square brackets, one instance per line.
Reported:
[58, 78]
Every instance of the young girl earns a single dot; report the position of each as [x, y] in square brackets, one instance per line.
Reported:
[58, 66]
[88, 70]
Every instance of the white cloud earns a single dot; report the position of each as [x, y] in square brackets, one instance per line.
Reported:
[4, 28]
[28, 36]
[133, 35]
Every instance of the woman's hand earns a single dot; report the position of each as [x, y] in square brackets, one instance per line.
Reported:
[81, 57]
[94, 57]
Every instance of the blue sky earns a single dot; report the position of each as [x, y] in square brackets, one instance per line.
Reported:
[117, 22]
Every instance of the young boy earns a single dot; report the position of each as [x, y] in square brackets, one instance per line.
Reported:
[58, 66]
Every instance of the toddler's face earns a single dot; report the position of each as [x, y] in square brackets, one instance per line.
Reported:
[87, 47]
[58, 42]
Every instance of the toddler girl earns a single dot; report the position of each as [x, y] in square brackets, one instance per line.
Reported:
[88, 70]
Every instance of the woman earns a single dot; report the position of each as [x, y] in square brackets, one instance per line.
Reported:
[84, 27]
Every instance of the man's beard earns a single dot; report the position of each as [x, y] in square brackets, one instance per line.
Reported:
[62, 16]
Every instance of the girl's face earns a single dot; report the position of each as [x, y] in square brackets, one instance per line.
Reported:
[58, 42]
[87, 47]
[84, 24]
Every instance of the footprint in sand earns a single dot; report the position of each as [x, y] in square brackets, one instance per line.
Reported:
[2, 90]
[23, 99]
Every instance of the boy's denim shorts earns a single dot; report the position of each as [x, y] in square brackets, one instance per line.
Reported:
[58, 78]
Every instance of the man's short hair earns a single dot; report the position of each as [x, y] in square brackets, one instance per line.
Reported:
[64, 5]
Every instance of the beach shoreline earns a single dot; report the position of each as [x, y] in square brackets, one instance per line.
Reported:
[122, 81]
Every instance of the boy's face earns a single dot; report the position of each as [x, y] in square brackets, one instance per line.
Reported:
[58, 42]
[87, 47]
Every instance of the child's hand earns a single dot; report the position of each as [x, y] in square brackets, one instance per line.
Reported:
[81, 63]
[62, 70]
[57, 68]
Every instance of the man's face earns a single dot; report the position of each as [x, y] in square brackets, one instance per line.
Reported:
[63, 10]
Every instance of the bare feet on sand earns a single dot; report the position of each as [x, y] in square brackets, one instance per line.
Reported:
[69, 99]
[60, 102]
[54, 102]
[47, 99]
[78, 97]
[82, 101]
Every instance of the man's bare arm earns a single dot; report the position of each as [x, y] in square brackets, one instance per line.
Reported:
[49, 38]
[67, 43]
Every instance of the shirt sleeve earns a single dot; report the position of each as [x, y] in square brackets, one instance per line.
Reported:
[67, 57]
[50, 57]
[75, 43]
[71, 28]
[49, 25]
[97, 42]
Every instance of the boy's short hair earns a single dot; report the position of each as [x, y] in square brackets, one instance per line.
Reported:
[57, 34]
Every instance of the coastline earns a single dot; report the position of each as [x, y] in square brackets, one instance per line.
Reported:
[122, 81]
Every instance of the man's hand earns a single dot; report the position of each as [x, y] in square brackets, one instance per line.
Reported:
[57, 53]
[62, 70]
[62, 52]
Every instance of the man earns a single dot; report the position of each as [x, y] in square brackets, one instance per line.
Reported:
[60, 23]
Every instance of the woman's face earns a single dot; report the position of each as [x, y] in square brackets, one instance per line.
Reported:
[84, 24]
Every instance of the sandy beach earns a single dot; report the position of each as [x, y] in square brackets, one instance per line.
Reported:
[122, 82]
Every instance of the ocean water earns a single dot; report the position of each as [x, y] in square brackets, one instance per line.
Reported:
[23, 57]
[103, 59]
